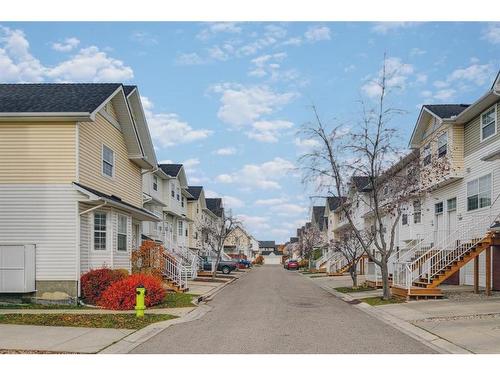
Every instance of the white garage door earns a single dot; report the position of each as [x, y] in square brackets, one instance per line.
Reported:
[17, 268]
[272, 259]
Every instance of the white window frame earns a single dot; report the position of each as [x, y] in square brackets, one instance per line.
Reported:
[113, 166]
[481, 126]
[426, 152]
[180, 228]
[118, 233]
[417, 213]
[442, 208]
[448, 209]
[478, 193]
[444, 135]
[106, 231]
[155, 183]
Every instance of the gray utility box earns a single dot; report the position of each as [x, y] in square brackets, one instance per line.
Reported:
[17, 268]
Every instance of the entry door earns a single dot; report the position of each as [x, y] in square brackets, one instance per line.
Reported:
[439, 228]
[452, 221]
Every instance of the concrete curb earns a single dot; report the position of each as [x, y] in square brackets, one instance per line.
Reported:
[130, 342]
[434, 342]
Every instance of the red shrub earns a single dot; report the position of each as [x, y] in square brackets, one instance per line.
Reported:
[94, 282]
[121, 295]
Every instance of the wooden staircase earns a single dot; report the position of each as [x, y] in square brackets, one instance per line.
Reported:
[443, 266]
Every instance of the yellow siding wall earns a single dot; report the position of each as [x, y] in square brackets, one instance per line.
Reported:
[127, 182]
[37, 153]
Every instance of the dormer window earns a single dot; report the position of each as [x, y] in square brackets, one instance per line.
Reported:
[108, 161]
[488, 123]
[442, 145]
[155, 183]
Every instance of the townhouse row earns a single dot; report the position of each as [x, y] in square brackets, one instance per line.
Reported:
[81, 188]
[447, 230]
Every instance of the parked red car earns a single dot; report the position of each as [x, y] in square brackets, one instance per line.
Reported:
[292, 265]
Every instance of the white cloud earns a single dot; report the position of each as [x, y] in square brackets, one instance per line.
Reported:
[242, 105]
[88, 64]
[144, 38]
[288, 209]
[217, 28]
[167, 129]
[225, 151]
[397, 75]
[461, 80]
[492, 33]
[265, 176]
[91, 64]
[306, 145]
[67, 45]
[189, 59]
[254, 223]
[270, 201]
[417, 52]
[268, 131]
[232, 202]
[385, 27]
[317, 33]
[294, 41]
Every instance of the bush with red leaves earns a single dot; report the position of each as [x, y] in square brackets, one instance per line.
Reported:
[121, 295]
[94, 282]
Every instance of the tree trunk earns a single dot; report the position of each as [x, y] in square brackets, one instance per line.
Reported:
[354, 276]
[385, 280]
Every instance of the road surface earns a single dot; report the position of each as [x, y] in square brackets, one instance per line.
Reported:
[271, 310]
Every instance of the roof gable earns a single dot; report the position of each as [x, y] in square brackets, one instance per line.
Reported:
[215, 205]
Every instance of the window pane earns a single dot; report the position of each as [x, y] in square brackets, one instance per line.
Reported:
[472, 203]
[484, 200]
[438, 208]
[485, 184]
[122, 224]
[452, 204]
[122, 242]
[472, 188]
[107, 154]
[488, 117]
[107, 169]
[488, 130]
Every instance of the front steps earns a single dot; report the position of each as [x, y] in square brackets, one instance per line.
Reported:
[427, 287]
[174, 286]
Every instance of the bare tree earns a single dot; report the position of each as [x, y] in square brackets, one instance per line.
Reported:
[351, 249]
[368, 150]
[310, 240]
[215, 233]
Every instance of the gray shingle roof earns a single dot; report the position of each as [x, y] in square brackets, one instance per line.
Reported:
[171, 169]
[195, 191]
[267, 244]
[54, 97]
[319, 216]
[446, 110]
[334, 202]
[128, 89]
[361, 183]
[215, 205]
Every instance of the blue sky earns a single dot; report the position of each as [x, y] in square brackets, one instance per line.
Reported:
[227, 99]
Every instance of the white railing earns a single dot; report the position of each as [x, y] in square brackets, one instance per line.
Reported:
[324, 258]
[174, 271]
[469, 232]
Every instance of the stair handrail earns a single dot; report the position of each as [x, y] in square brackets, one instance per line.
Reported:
[453, 240]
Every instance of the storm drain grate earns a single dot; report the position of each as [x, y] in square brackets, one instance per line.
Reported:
[353, 302]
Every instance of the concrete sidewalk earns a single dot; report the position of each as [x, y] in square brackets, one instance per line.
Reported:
[59, 339]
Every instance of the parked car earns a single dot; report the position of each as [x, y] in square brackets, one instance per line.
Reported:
[292, 264]
[225, 266]
[285, 263]
[244, 262]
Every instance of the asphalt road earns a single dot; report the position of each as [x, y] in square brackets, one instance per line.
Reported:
[272, 310]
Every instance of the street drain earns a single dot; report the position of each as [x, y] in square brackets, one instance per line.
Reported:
[353, 302]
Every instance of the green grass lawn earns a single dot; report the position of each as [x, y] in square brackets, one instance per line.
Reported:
[378, 301]
[345, 289]
[177, 300]
[121, 321]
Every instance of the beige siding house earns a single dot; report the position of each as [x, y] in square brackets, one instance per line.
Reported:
[70, 182]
